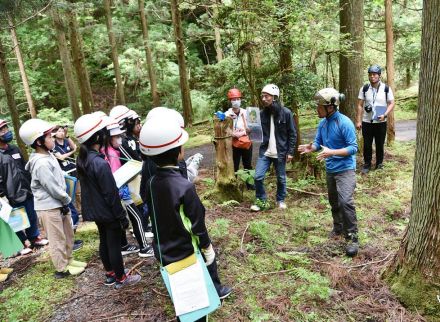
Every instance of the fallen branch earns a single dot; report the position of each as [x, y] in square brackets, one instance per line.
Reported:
[242, 238]
[134, 267]
[307, 192]
[159, 293]
[113, 317]
[264, 274]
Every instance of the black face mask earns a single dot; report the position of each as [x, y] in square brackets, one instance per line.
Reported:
[7, 137]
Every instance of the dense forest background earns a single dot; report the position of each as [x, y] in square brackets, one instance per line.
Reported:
[295, 44]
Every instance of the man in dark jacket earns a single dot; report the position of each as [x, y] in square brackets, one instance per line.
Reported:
[279, 140]
[16, 187]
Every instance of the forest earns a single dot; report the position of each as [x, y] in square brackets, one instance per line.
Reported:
[60, 59]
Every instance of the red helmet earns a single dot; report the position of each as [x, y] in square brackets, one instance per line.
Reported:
[234, 93]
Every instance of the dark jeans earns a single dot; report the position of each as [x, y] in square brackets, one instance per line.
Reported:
[110, 247]
[263, 165]
[32, 232]
[376, 131]
[74, 214]
[244, 154]
[340, 187]
[138, 221]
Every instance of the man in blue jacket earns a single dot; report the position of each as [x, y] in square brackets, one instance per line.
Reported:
[336, 141]
[279, 141]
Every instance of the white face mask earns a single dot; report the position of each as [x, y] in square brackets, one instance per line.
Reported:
[236, 104]
[116, 142]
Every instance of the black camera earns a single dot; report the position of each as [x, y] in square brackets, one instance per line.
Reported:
[368, 108]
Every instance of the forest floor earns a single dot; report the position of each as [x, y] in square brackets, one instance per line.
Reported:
[280, 264]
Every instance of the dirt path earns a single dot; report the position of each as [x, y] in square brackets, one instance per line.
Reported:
[405, 131]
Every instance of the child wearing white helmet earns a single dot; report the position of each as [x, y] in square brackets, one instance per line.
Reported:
[110, 149]
[100, 199]
[173, 200]
[50, 197]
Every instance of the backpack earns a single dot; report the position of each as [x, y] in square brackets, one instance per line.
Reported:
[367, 86]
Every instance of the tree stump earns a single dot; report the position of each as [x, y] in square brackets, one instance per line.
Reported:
[226, 183]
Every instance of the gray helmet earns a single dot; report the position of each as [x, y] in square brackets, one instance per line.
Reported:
[375, 69]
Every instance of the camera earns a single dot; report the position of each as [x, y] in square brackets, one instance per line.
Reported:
[368, 108]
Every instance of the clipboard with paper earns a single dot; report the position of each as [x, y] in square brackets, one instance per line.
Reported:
[188, 282]
[127, 172]
[71, 183]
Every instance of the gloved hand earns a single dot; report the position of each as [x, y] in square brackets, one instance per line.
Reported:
[125, 223]
[65, 210]
[209, 254]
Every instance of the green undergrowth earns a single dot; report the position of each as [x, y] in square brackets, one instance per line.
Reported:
[34, 296]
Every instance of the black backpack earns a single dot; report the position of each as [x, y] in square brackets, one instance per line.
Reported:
[367, 86]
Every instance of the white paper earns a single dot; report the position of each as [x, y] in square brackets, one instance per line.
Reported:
[188, 289]
[254, 124]
[127, 172]
[5, 209]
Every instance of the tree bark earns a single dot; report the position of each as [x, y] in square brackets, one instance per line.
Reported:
[407, 77]
[80, 64]
[391, 133]
[24, 79]
[415, 270]
[218, 43]
[351, 61]
[12, 106]
[226, 183]
[66, 63]
[120, 96]
[184, 86]
[150, 67]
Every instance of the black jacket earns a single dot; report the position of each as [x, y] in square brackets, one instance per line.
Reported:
[171, 194]
[130, 149]
[285, 131]
[15, 153]
[100, 200]
[12, 184]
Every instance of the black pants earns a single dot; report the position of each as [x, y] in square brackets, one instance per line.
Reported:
[138, 222]
[376, 131]
[238, 154]
[110, 247]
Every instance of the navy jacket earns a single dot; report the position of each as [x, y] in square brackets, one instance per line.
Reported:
[12, 184]
[285, 131]
[171, 193]
[100, 200]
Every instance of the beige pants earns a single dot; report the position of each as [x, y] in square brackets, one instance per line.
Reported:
[78, 197]
[60, 234]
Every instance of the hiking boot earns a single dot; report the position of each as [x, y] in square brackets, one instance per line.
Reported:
[110, 277]
[379, 166]
[366, 168]
[224, 292]
[38, 242]
[77, 244]
[129, 249]
[282, 205]
[75, 263]
[334, 234]
[352, 245]
[146, 252]
[127, 280]
[260, 205]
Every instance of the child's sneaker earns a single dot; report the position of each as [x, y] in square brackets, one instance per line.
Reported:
[146, 252]
[260, 205]
[110, 278]
[129, 249]
[224, 292]
[75, 263]
[73, 270]
[38, 242]
[127, 280]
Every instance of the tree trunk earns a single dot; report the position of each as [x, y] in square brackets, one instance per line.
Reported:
[80, 64]
[120, 96]
[24, 79]
[391, 133]
[226, 183]
[415, 270]
[67, 64]
[218, 43]
[184, 86]
[9, 91]
[151, 71]
[351, 61]
[407, 77]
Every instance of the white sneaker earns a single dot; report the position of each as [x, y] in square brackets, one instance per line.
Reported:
[149, 234]
[282, 205]
[255, 208]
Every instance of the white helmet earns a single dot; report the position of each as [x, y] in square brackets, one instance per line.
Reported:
[120, 112]
[166, 112]
[328, 96]
[160, 134]
[87, 125]
[100, 113]
[271, 89]
[3, 123]
[113, 127]
[34, 128]
[134, 115]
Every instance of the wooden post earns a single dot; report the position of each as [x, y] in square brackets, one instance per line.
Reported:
[226, 183]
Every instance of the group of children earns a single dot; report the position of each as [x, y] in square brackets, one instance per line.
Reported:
[169, 198]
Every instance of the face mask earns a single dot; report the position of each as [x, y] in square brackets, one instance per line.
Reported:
[7, 137]
[116, 142]
[236, 104]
